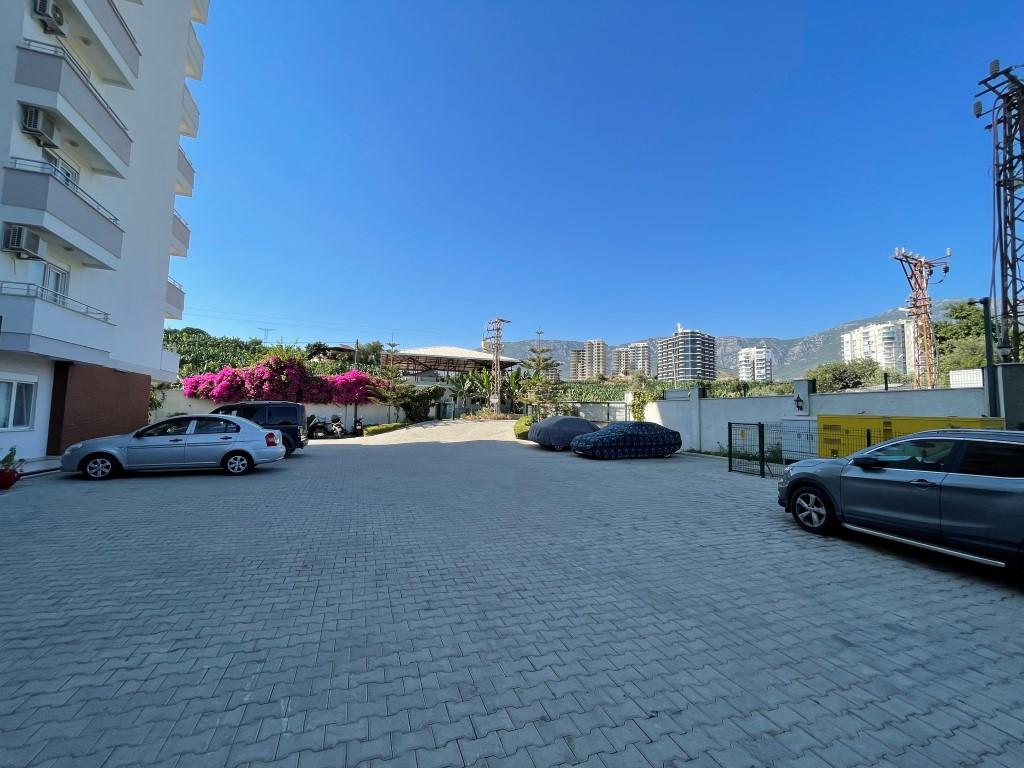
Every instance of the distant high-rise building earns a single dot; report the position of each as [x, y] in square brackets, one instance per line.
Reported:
[686, 356]
[632, 357]
[554, 373]
[590, 361]
[755, 364]
[891, 345]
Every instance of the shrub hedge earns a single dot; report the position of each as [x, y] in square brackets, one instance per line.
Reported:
[380, 429]
[522, 427]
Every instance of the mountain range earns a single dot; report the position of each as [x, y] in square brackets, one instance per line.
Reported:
[792, 357]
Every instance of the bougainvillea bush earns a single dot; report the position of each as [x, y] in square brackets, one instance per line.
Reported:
[279, 378]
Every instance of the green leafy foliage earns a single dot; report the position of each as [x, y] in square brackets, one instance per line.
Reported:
[522, 427]
[10, 460]
[380, 429]
[415, 401]
[837, 376]
[960, 338]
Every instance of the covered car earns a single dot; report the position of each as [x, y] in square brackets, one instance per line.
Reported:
[629, 440]
[557, 432]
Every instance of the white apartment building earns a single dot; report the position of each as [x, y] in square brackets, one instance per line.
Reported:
[96, 102]
[590, 361]
[891, 345]
[754, 364]
[687, 355]
[632, 357]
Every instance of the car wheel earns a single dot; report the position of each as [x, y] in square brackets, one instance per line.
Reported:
[99, 466]
[237, 463]
[812, 510]
[289, 447]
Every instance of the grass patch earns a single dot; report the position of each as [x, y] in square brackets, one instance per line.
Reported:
[380, 429]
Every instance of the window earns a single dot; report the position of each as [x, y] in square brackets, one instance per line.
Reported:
[214, 427]
[64, 169]
[166, 428]
[993, 459]
[17, 399]
[920, 455]
[281, 416]
[55, 280]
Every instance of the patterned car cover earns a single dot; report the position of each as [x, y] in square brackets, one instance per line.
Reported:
[628, 440]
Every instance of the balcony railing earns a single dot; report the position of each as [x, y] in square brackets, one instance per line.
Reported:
[40, 166]
[175, 283]
[33, 291]
[75, 64]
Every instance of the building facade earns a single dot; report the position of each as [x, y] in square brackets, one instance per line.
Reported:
[589, 361]
[632, 357]
[687, 355]
[754, 364]
[891, 345]
[96, 101]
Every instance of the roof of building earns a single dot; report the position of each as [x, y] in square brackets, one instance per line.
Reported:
[442, 358]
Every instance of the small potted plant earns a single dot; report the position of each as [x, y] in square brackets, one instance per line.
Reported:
[10, 469]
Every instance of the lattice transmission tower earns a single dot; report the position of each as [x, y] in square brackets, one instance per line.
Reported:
[1007, 126]
[919, 271]
[492, 341]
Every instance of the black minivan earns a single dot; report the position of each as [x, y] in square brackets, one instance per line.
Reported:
[289, 418]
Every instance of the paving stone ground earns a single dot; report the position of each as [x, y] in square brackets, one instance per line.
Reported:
[466, 600]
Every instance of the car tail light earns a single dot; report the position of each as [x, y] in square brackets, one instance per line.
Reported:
[271, 440]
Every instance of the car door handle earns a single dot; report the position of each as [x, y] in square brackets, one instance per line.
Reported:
[227, 438]
[175, 440]
[922, 483]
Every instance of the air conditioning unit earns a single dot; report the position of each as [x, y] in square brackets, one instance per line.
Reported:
[38, 124]
[21, 240]
[51, 15]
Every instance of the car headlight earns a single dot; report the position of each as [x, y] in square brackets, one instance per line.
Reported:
[74, 447]
[786, 472]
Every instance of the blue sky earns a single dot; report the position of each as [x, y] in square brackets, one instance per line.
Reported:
[595, 169]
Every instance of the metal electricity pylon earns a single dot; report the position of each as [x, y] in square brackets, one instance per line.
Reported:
[492, 339]
[919, 271]
[1007, 115]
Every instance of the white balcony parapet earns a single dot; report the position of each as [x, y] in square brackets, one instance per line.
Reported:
[180, 235]
[195, 57]
[200, 10]
[186, 175]
[175, 299]
[33, 291]
[41, 166]
[113, 25]
[189, 114]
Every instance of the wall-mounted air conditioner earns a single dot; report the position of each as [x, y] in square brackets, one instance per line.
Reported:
[21, 241]
[52, 17]
[38, 124]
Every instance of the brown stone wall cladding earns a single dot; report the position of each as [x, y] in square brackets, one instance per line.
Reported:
[93, 401]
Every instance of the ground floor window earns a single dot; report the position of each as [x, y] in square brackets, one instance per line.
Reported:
[16, 401]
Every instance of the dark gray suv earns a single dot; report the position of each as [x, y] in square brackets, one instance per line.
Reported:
[956, 491]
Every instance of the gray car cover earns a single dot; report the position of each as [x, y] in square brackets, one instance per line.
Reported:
[558, 431]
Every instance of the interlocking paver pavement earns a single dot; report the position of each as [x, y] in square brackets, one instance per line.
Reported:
[445, 602]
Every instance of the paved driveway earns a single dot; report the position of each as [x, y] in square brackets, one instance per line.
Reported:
[484, 602]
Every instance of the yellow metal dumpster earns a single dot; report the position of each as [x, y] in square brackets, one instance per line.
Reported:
[841, 435]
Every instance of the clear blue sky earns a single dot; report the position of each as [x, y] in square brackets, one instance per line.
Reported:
[596, 169]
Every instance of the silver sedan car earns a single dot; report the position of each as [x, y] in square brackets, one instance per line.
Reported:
[234, 444]
[955, 491]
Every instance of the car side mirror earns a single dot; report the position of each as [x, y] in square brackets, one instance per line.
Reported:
[866, 462]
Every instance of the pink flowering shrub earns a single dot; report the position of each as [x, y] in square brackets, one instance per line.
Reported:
[278, 378]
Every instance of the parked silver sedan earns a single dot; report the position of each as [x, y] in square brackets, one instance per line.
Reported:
[232, 443]
[955, 491]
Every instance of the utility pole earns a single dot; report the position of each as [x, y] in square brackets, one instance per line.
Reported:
[918, 271]
[493, 338]
[1007, 115]
[266, 334]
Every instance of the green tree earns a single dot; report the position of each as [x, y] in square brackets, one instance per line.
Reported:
[539, 362]
[960, 338]
[833, 377]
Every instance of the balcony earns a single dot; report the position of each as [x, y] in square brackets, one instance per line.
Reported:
[40, 321]
[200, 10]
[189, 114]
[186, 175]
[117, 43]
[55, 80]
[195, 57]
[180, 235]
[175, 300]
[38, 195]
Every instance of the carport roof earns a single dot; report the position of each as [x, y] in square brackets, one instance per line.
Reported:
[442, 358]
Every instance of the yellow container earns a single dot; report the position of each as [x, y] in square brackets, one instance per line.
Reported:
[841, 435]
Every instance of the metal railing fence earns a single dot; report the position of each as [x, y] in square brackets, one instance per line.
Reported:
[34, 291]
[41, 166]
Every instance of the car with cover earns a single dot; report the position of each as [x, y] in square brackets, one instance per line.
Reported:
[283, 415]
[182, 442]
[629, 440]
[955, 491]
[557, 432]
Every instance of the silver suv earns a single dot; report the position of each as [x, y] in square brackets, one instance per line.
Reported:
[956, 491]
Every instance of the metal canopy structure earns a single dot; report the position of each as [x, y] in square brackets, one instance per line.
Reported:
[445, 359]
